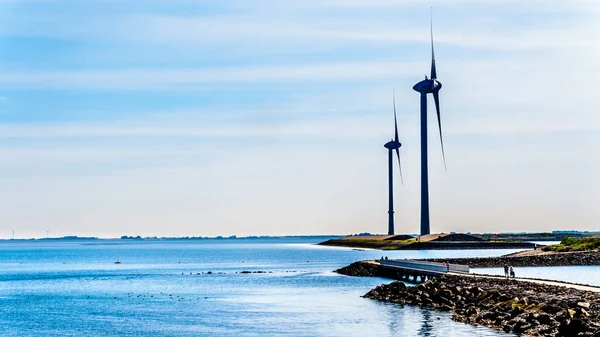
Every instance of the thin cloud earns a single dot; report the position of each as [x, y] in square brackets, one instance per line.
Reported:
[291, 102]
[124, 79]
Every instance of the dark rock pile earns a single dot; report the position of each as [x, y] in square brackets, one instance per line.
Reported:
[546, 260]
[361, 268]
[513, 306]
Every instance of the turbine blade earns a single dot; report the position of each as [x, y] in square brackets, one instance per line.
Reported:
[433, 70]
[399, 165]
[436, 98]
[395, 121]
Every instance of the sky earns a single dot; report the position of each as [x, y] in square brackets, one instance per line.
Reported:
[239, 117]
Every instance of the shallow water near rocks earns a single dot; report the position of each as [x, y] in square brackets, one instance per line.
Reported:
[75, 288]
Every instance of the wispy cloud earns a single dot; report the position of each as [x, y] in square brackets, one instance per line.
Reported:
[123, 79]
[292, 101]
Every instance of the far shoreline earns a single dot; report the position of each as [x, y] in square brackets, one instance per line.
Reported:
[441, 241]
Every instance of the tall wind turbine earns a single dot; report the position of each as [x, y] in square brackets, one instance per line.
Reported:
[428, 86]
[392, 145]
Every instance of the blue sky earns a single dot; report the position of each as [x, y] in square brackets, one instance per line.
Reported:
[269, 117]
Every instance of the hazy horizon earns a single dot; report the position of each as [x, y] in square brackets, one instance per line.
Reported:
[196, 118]
[266, 236]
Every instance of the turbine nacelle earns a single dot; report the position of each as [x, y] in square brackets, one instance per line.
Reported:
[428, 86]
[392, 145]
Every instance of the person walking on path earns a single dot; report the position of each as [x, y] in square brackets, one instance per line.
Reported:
[506, 271]
[512, 272]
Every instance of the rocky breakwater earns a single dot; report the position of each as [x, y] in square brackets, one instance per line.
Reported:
[362, 268]
[513, 306]
[542, 259]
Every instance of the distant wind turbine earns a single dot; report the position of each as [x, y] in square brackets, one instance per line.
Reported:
[392, 145]
[428, 86]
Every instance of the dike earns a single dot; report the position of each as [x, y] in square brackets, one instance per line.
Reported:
[513, 306]
[542, 260]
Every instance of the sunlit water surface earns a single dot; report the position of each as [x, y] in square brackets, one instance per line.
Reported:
[76, 289]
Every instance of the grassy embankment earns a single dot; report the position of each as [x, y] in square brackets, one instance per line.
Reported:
[575, 245]
[396, 244]
[371, 243]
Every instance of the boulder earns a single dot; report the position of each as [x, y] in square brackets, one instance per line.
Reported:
[509, 306]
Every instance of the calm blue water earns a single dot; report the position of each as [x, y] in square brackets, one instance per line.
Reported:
[75, 289]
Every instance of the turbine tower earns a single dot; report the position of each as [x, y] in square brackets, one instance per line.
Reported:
[428, 86]
[392, 145]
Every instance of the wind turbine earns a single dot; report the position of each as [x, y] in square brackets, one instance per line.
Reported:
[428, 86]
[392, 145]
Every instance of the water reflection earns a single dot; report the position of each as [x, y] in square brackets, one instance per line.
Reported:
[426, 327]
[404, 320]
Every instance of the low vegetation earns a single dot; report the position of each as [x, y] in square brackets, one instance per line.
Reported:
[380, 244]
[575, 245]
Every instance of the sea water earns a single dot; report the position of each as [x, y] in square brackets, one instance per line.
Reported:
[164, 288]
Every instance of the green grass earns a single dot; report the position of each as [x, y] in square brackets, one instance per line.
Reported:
[575, 245]
[373, 243]
[403, 242]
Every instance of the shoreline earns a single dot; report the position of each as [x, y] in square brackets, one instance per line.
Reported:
[509, 305]
[432, 245]
[524, 306]
[528, 259]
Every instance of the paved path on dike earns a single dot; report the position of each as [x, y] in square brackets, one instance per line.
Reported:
[546, 282]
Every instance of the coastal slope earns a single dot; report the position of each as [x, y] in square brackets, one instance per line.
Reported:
[529, 308]
[536, 258]
[524, 306]
[426, 242]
